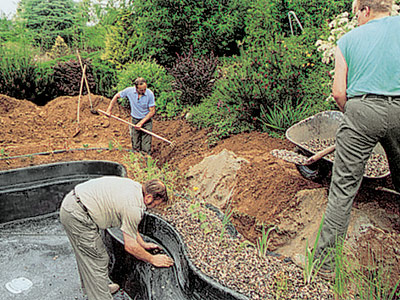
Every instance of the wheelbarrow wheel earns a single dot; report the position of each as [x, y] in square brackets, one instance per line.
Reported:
[317, 171]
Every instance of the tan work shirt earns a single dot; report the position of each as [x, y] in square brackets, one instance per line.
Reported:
[113, 202]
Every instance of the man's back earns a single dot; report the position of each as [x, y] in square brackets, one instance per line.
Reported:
[372, 55]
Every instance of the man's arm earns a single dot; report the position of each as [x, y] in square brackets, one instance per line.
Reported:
[145, 245]
[340, 80]
[110, 106]
[152, 112]
[133, 247]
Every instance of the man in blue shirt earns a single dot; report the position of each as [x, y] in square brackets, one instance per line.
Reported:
[143, 108]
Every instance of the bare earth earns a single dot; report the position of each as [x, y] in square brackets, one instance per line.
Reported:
[267, 190]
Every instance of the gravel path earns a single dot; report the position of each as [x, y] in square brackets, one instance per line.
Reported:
[234, 262]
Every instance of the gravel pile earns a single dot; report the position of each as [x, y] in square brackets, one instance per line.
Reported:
[234, 262]
[376, 166]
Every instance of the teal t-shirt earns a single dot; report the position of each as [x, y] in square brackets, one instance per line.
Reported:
[372, 54]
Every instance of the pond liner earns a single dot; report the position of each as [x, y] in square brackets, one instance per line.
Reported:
[39, 190]
[143, 281]
[33, 191]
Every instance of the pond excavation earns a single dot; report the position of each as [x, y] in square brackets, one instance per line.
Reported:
[37, 261]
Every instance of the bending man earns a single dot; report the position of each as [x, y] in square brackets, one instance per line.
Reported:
[142, 104]
[103, 203]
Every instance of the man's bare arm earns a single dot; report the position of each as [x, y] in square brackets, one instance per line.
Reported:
[340, 80]
[133, 247]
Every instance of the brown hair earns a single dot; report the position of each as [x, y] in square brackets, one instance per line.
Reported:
[139, 81]
[379, 6]
[157, 189]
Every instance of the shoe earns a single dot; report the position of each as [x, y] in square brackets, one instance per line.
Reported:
[113, 288]
[300, 261]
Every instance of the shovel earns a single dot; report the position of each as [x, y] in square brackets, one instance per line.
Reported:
[299, 159]
[142, 129]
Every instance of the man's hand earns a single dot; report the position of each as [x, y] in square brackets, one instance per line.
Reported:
[162, 261]
[150, 246]
[139, 125]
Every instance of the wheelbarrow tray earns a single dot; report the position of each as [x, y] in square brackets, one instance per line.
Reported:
[322, 126]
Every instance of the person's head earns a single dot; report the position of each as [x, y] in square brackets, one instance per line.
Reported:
[140, 85]
[366, 10]
[155, 193]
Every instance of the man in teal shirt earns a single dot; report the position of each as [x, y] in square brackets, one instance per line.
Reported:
[366, 88]
[141, 100]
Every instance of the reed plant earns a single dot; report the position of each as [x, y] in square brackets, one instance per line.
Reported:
[263, 241]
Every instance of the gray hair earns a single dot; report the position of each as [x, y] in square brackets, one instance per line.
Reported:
[377, 6]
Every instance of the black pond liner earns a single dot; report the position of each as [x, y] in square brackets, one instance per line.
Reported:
[39, 190]
[33, 191]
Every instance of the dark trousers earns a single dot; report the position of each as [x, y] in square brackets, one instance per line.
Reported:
[366, 121]
[141, 141]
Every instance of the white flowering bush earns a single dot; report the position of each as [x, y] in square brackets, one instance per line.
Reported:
[342, 24]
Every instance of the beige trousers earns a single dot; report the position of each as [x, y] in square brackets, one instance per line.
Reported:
[91, 255]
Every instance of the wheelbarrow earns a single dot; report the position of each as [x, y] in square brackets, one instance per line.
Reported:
[322, 126]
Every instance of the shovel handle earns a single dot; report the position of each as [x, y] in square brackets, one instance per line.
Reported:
[129, 123]
[319, 155]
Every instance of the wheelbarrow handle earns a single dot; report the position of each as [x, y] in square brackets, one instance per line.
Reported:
[319, 155]
[131, 124]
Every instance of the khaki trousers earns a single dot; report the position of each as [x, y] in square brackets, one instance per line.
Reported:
[91, 255]
[367, 121]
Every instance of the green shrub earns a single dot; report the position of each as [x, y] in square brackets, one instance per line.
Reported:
[272, 85]
[269, 17]
[21, 76]
[194, 77]
[226, 111]
[105, 75]
[121, 40]
[162, 28]
[167, 99]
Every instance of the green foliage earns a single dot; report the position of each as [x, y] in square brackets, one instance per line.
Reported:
[59, 48]
[21, 76]
[162, 28]
[225, 221]
[105, 75]
[167, 99]
[267, 18]
[264, 19]
[263, 241]
[146, 168]
[282, 117]
[201, 217]
[317, 13]
[48, 19]
[194, 77]
[5, 29]
[121, 40]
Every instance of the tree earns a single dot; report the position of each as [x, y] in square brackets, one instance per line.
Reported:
[47, 19]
